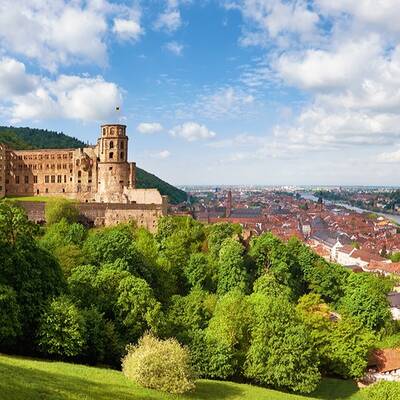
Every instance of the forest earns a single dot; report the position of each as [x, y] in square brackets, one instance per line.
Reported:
[255, 310]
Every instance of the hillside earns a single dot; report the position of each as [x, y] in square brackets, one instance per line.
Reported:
[22, 379]
[29, 138]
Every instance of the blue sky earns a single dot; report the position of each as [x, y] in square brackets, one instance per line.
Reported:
[215, 91]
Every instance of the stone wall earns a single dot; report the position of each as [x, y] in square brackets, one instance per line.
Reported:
[104, 214]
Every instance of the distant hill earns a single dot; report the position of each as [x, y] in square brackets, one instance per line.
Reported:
[31, 138]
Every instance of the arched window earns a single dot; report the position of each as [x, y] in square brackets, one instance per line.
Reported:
[122, 155]
[111, 155]
[122, 145]
[79, 174]
[111, 144]
[104, 131]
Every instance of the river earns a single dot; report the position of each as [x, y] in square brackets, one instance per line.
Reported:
[309, 196]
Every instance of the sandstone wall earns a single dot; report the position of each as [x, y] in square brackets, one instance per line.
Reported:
[104, 214]
[2, 171]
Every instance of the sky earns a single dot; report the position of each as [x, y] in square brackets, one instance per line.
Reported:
[269, 92]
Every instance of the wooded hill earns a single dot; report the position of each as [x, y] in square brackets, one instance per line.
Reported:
[32, 138]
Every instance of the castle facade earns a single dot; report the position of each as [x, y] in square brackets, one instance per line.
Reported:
[94, 174]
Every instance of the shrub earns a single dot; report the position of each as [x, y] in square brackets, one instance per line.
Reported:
[159, 364]
[382, 391]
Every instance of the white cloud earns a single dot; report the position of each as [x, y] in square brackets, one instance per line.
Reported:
[13, 78]
[192, 131]
[275, 19]
[389, 157]
[148, 128]
[335, 68]
[62, 32]
[162, 155]
[170, 20]
[175, 48]
[127, 29]
[67, 96]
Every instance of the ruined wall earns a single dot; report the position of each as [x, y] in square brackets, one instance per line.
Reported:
[104, 214]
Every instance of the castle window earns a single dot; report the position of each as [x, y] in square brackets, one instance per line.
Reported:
[104, 131]
[122, 155]
[65, 178]
[35, 179]
[53, 179]
[111, 144]
[79, 174]
[26, 179]
[46, 179]
[59, 178]
[111, 155]
[37, 191]
[122, 145]
[110, 168]
[63, 190]
[47, 190]
[1, 188]
[17, 179]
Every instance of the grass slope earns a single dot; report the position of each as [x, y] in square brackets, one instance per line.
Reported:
[22, 379]
[29, 138]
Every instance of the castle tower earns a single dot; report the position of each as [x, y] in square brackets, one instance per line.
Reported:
[114, 172]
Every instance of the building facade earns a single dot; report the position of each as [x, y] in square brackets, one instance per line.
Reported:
[99, 173]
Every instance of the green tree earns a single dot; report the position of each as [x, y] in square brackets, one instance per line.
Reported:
[198, 271]
[137, 308]
[350, 344]
[62, 329]
[216, 235]
[30, 271]
[366, 298]
[282, 352]
[58, 209]
[189, 313]
[232, 272]
[10, 327]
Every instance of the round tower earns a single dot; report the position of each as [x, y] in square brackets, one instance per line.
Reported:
[113, 167]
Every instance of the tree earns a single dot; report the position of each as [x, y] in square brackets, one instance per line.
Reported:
[190, 313]
[231, 267]
[366, 298]
[269, 286]
[350, 344]
[229, 327]
[218, 233]
[33, 273]
[62, 329]
[282, 352]
[58, 209]
[198, 272]
[10, 327]
[136, 307]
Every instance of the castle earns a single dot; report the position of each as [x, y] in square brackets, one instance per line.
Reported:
[94, 174]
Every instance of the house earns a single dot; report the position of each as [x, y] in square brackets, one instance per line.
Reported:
[383, 365]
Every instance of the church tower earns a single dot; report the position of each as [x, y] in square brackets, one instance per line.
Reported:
[114, 171]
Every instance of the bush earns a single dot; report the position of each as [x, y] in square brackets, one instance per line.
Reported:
[159, 364]
[382, 391]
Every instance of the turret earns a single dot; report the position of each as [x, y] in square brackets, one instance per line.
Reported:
[115, 173]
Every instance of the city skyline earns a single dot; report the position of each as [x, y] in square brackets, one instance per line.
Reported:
[266, 92]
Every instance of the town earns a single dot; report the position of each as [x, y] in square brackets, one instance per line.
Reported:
[360, 240]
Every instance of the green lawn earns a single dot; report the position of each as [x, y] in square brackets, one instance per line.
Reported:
[23, 379]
